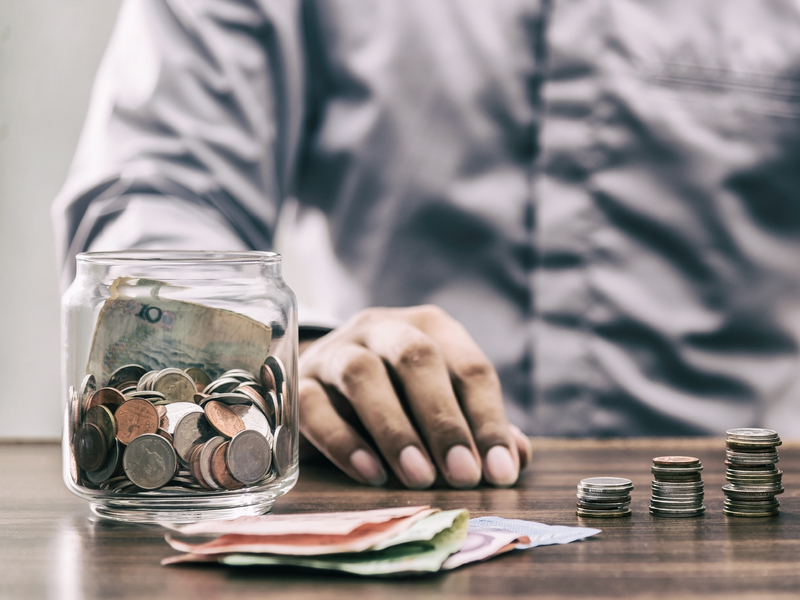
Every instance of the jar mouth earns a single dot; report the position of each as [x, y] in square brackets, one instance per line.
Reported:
[180, 257]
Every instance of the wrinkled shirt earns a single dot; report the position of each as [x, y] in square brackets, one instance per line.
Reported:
[604, 192]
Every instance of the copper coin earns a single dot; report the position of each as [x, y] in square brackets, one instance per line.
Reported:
[676, 461]
[101, 416]
[220, 471]
[166, 435]
[125, 376]
[223, 419]
[267, 379]
[134, 418]
[110, 397]
[90, 447]
[194, 466]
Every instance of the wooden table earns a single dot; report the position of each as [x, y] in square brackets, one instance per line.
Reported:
[51, 548]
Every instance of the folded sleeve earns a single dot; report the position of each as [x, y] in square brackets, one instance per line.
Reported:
[192, 130]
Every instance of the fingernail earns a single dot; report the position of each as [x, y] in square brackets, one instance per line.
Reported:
[368, 467]
[500, 467]
[419, 473]
[462, 469]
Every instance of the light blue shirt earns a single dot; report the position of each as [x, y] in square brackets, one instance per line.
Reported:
[604, 192]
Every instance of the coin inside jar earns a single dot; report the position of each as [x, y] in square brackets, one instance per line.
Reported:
[219, 469]
[126, 375]
[109, 397]
[249, 456]
[149, 461]
[176, 385]
[134, 418]
[90, 447]
[223, 419]
[101, 416]
[192, 429]
[200, 378]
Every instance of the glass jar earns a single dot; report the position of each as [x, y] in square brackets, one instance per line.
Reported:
[180, 384]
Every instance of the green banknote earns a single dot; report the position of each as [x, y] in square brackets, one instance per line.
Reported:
[423, 548]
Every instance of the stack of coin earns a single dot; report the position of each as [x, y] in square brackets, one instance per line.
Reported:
[677, 487]
[753, 480]
[178, 431]
[605, 497]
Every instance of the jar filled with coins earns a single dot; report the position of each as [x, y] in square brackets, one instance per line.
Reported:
[180, 384]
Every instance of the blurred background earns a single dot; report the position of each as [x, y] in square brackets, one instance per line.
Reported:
[49, 52]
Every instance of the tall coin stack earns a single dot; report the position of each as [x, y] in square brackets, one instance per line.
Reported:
[604, 497]
[677, 487]
[753, 480]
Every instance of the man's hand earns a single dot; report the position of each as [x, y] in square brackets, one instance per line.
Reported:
[414, 381]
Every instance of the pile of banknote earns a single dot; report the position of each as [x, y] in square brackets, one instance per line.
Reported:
[382, 542]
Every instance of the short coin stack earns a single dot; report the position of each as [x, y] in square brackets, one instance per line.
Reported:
[753, 480]
[677, 487]
[604, 497]
[180, 432]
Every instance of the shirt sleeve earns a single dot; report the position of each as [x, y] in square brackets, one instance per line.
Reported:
[192, 130]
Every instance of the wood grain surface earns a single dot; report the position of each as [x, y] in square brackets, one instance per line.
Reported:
[53, 548]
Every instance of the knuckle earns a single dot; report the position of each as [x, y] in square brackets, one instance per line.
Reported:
[433, 313]
[359, 366]
[368, 317]
[476, 372]
[417, 353]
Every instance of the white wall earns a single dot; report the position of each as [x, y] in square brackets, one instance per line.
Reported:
[49, 52]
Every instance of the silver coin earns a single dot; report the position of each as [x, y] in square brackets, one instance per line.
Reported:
[240, 374]
[126, 374]
[732, 513]
[175, 411]
[751, 433]
[248, 457]
[600, 505]
[254, 419]
[151, 395]
[175, 384]
[86, 390]
[678, 513]
[676, 470]
[605, 483]
[750, 491]
[675, 504]
[283, 450]
[228, 398]
[146, 380]
[149, 461]
[223, 385]
[74, 408]
[603, 514]
[604, 498]
[205, 461]
[193, 428]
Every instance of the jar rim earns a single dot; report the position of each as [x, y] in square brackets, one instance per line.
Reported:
[179, 257]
